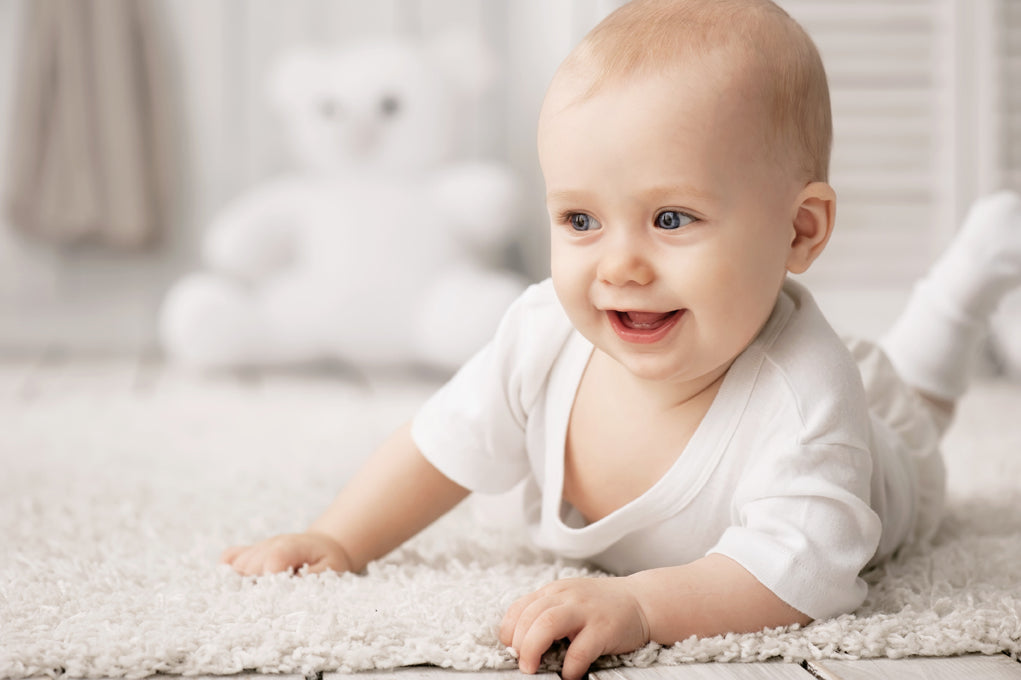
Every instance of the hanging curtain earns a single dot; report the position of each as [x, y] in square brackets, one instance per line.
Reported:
[88, 154]
[1010, 86]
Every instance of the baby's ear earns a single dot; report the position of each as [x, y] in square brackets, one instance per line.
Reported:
[815, 210]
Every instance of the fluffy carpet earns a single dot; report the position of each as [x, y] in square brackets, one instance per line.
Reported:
[113, 511]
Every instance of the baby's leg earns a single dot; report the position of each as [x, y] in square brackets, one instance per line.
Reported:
[937, 340]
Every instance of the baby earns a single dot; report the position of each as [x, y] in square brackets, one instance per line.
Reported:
[680, 411]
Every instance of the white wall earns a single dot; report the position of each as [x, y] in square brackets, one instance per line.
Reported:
[219, 49]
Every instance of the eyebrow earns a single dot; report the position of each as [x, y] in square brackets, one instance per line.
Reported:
[663, 191]
[566, 196]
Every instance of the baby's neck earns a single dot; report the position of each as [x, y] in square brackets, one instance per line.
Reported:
[625, 433]
[660, 396]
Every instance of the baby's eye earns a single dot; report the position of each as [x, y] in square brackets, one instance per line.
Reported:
[582, 222]
[673, 219]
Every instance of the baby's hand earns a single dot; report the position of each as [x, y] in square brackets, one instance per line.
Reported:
[280, 553]
[598, 615]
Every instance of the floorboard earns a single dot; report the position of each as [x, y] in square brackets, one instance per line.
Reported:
[432, 673]
[236, 676]
[708, 671]
[995, 667]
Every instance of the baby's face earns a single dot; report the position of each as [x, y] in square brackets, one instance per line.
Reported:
[671, 227]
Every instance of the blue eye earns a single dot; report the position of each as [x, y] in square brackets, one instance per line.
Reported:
[582, 222]
[673, 219]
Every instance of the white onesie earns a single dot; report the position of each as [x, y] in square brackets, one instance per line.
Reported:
[789, 473]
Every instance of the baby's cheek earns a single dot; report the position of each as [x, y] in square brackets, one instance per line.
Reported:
[734, 300]
[570, 286]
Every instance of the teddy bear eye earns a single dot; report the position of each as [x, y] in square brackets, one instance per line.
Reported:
[389, 106]
[328, 108]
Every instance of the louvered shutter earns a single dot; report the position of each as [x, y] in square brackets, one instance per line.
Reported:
[890, 109]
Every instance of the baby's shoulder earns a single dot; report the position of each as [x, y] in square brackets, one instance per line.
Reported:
[808, 365]
[532, 337]
[535, 321]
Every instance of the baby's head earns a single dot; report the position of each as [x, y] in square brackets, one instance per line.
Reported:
[774, 61]
[685, 146]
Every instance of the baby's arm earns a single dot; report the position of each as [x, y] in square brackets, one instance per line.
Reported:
[709, 596]
[396, 494]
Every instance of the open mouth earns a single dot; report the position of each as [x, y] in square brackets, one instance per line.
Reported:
[643, 327]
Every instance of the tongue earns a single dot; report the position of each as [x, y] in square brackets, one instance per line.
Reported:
[646, 320]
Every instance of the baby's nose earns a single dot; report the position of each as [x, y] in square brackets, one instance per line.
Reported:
[625, 263]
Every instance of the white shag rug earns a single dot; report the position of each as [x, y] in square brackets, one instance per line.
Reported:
[113, 512]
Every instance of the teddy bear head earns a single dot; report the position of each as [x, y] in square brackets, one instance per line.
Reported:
[389, 104]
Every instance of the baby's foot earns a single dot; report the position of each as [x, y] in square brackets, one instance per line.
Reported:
[992, 232]
[983, 263]
[936, 342]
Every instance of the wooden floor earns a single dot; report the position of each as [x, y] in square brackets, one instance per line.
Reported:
[997, 667]
[30, 380]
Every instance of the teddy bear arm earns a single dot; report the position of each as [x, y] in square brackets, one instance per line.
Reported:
[254, 236]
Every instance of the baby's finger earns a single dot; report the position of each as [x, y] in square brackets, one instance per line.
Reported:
[245, 560]
[319, 566]
[510, 619]
[548, 627]
[586, 647]
[274, 563]
[527, 617]
[255, 562]
[242, 560]
[332, 562]
[230, 554]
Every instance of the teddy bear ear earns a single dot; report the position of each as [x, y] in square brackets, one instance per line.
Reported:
[463, 56]
[291, 77]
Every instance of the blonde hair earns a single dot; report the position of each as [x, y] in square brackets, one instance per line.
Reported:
[654, 35]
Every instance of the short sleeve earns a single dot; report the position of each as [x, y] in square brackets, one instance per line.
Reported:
[473, 429]
[805, 529]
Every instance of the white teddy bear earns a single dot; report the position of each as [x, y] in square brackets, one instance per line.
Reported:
[381, 251]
